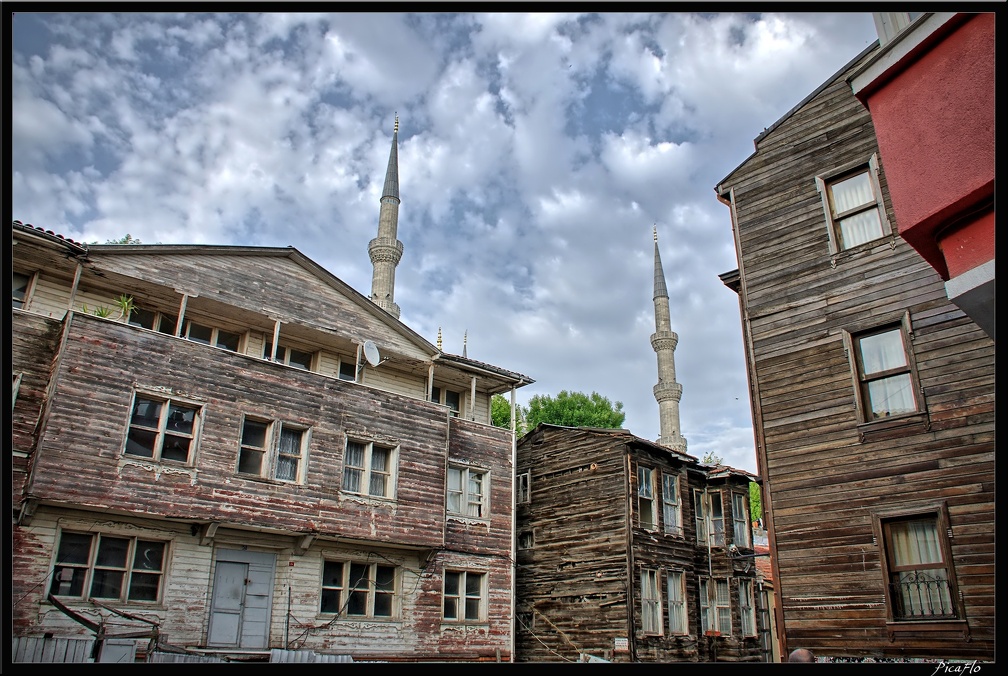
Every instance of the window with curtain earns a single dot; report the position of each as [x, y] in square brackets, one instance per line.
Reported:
[467, 492]
[747, 607]
[289, 453]
[853, 205]
[651, 612]
[920, 583]
[740, 520]
[885, 374]
[677, 602]
[722, 601]
[700, 515]
[717, 525]
[369, 469]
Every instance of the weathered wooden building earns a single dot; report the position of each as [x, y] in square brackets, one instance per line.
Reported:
[630, 551]
[873, 400]
[251, 456]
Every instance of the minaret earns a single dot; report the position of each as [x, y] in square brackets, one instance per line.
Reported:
[385, 250]
[663, 341]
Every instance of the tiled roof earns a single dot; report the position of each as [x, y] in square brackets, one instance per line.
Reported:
[49, 234]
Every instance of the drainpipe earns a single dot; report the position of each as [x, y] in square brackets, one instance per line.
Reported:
[631, 634]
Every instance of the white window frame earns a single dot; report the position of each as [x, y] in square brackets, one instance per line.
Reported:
[823, 184]
[523, 487]
[368, 472]
[867, 412]
[369, 586]
[715, 605]
[678, 618]
[165, 432]
[299, 457]
[462, 499]
[647, 518]
[671, 505]
[740, 520]
[464, 603]
[651, 604]
[137, 563]
[747, 606]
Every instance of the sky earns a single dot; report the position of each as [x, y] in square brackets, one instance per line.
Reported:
[538, 153]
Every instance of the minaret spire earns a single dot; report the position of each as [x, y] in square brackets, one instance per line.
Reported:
[663, 341]
[385, 250]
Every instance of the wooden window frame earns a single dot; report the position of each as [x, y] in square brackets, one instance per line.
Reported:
[30, 281]
[465, 497]
[366, 469]
[825, 180]
[272, 451]
[160, 428]
[360, 580]
[523, 488]
[439, 395]
[652, 623]
[215, 336]
[284, 353]
[747, 606]
[678, 616]
[943, 528]
[131, 568]
[462, 597]
[740, 520]
[646, 502]
[851, 334]
[672, 500]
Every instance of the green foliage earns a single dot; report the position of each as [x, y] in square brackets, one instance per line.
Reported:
[711, 459]
[125, 304]
[755, 501]
[500, 414]
[102, 311]
[574, 409]
[124, 240]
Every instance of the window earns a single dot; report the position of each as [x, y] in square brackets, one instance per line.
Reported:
[852, 202]
[352, 589]
[883, 366]
[645, 497]
[209, 335]
[367, 469]
[747, 607]
[290, 356]
[19, 289]
[671, 507]
[740, 520]
[526, 620]
[709, 517]
[651, 611]
[465, 594]
[270, 448]
[715, 606]
[526, 539]
[677, 602]
[347, 370]
[290, 451]
[523, 487]
[921, 584]
[162, 429]
[467, 491]
[96, 565]
[156, 321]
[449, 398]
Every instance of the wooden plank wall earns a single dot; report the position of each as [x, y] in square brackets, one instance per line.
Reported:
[824, 480]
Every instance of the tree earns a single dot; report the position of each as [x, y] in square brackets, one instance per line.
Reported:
[574, 409]
[128, 239]
[500, 414]
[711, 459]
[755, 501]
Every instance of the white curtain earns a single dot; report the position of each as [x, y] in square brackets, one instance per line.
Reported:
[923, 591]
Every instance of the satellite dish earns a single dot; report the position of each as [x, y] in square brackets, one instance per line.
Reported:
[371, 353]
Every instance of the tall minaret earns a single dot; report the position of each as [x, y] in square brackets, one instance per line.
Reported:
[663, 341]
[385, 250]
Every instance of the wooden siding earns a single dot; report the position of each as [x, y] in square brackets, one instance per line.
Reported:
[825, 474]
[580, 581]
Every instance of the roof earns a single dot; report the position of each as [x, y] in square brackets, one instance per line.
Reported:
[76, 247]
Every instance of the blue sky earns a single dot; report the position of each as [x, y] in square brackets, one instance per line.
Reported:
[536, 152]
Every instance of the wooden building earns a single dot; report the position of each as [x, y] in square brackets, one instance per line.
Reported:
[630, 551]
[249, 455]
[873, 400]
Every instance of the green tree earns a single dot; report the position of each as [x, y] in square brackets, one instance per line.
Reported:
[128, 239]
[711, 459]
[500, 414]
[755, 501]
[574, 409]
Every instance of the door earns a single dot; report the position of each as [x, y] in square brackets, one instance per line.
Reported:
[241, 600]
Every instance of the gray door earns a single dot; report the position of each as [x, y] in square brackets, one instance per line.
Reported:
[241, 600]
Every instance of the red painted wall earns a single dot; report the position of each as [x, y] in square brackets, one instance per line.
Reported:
[935, 127]
[969, 246]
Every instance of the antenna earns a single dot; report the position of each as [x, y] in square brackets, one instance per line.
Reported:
[371, 353]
